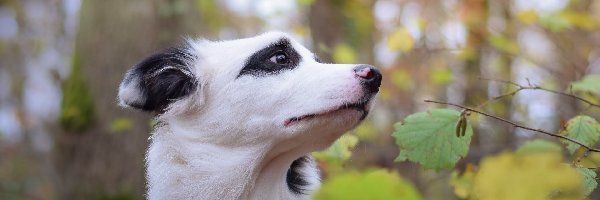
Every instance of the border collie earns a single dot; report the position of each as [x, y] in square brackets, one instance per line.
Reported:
[238, 119]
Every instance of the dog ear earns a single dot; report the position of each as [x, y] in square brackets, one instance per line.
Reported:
[159, 80]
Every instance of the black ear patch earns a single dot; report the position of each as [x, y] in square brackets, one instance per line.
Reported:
[162, 78]
[272, 59]
[295, 179]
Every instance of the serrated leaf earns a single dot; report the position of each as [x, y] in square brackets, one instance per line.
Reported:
[583, 129]
[374, 185]
[539, 176]
[589, 83]
[429, 138]
[589, 180]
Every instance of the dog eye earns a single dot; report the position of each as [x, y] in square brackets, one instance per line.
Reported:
[279, 58]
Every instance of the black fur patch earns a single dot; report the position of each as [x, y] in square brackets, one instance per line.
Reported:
[164, 77]
[317, 59]
[296, 181]
[259, 64]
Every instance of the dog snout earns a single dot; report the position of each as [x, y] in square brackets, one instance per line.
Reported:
[369, 76]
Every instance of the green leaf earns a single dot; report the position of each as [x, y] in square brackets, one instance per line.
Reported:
[589, 83]
[583, 129]
[589, 180]
[441, 75]
[504, 44]
[555, 23]
[539, 146]
[121, 124]
[340, 151]
[429, 138]
[374, 185]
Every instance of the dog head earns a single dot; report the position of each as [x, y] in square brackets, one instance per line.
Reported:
[262, 88]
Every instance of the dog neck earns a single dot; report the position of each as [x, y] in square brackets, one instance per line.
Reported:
[180, 167]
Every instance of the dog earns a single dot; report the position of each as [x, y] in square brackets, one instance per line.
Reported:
[237, 119]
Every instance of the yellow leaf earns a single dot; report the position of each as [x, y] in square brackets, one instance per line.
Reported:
[463, 183]
[528, 16]
[582, 20]
[369, 185]
[539, 176]
[401, 40]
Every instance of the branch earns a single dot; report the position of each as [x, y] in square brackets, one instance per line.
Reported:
[534, 87]
[515, 124]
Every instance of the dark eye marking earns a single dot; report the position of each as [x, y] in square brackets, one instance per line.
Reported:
[273, 59]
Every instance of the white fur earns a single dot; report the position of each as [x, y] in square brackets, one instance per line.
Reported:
[227, 140]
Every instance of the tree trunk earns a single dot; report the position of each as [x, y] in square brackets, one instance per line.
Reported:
[99, 151]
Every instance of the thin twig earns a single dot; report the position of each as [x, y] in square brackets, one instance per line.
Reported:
[534, 87]
[515, 124]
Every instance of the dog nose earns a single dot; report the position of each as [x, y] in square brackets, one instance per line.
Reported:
[370, 77]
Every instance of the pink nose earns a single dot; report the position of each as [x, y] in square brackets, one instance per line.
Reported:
[364, 72]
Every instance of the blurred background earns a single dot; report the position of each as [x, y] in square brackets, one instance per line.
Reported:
[62, 135]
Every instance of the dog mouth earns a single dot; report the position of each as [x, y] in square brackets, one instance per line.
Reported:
[360, 106]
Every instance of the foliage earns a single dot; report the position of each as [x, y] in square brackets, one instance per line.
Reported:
[589, 83]
[400, 40]
[338, 153]
[589, 180]
[535, 171]
[536, 176]
[121, 124]
[583, 129]
[430, 138]
[373, 185]
[77, 108]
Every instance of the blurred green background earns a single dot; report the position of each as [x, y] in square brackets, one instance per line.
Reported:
[62, 135]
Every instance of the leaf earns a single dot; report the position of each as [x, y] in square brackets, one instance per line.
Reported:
[340, 151]
[429, 138]
[589, 83]
[537, 176]
[585, 21]
[121, 124]
[528, 16]
[583, 129]
[555, 23]
[504, 44]
[539, 146]
[589, 180]
[463, 183]
[401, 40]
[374, 185]
[441, 75]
